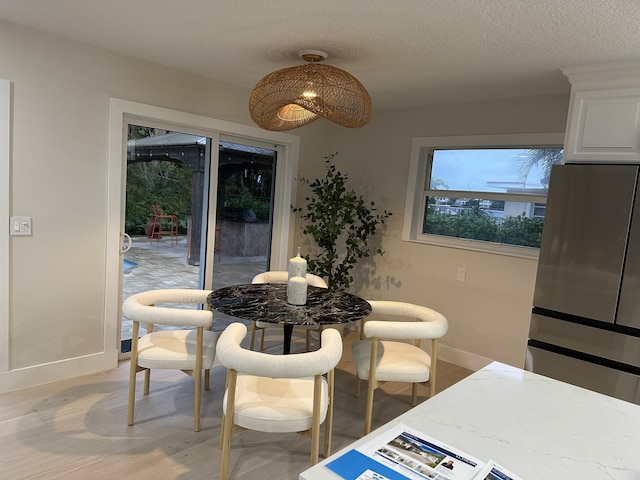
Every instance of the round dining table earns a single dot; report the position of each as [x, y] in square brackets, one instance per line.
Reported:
[267, 302]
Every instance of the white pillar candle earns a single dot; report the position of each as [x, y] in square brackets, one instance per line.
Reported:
[297, 291]
[297, 266]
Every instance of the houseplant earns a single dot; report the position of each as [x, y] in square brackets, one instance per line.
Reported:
[341, 224]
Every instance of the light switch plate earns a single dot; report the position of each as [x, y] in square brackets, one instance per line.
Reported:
[20, 225]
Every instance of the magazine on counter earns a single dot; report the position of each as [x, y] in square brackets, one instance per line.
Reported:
[492, 471]
[403, 453]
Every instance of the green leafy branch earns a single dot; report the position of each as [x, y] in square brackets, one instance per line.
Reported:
[341, 223]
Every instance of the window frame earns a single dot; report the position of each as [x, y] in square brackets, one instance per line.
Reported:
[417, 181]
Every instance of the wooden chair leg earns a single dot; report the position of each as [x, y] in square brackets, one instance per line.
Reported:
[308, 341]
[432, 370]
[328, 423]
[197, 374]
[414, 394]
[357, 392]
[147, 381]
[224, 417]
[252, 336]
[371, 386]
[315, 424]
[368, 413]
[225, 439]
[262, 339]
[147, 372]
[207, 379]
[132, 372]
[196, 401]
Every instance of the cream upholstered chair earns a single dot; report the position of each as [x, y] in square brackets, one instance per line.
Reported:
[384, 356]
[189, 350]
[277, 393]
[280, 276]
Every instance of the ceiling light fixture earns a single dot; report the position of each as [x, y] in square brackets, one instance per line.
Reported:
[296, 96]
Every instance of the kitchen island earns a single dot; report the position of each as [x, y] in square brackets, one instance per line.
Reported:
[537, 427]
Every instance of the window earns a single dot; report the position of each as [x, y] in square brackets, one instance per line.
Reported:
[483, 192]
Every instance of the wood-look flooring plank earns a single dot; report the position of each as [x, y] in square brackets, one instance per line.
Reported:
[76, 429]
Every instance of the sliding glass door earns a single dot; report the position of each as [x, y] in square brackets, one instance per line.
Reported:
[170, 213]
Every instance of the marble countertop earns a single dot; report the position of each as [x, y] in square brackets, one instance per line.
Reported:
[535, 426]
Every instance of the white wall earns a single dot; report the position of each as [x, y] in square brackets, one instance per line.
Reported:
[59, 167]
[489, 312]
[59, 176]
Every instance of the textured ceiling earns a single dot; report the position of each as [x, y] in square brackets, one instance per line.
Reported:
[406, 52]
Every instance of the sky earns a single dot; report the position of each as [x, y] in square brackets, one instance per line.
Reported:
[472, 169]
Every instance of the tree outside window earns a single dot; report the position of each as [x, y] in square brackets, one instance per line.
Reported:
[493, 195]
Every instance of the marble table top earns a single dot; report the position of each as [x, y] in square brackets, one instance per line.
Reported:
[537, 427]
[267, 302]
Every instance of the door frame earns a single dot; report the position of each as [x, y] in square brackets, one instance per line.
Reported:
[5, 211]
[123, 112]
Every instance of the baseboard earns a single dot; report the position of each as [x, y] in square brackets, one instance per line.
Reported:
[56, 371]
[467, 360]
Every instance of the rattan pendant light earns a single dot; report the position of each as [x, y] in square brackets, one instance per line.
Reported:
[296, 96]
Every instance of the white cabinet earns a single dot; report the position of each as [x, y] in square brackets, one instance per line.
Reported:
[604, 114]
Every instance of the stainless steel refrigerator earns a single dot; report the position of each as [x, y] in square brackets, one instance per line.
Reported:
[585, 323]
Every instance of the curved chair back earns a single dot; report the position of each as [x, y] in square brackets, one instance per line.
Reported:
[143, 307]
[277, 393]
[318, 362]
[281, 276]
[412, 321]
[183, 349]
[386, 356]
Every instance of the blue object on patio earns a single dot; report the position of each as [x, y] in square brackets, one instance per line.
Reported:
[128, 264]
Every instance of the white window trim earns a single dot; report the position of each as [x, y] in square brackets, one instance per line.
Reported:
[414, 205]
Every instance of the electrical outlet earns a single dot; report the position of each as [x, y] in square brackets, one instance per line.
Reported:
[461, 274]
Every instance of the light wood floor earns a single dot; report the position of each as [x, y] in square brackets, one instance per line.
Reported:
[77, 429]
